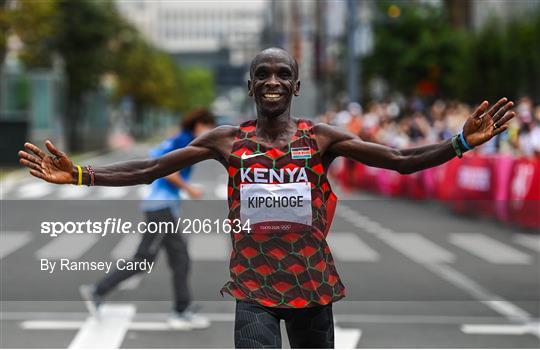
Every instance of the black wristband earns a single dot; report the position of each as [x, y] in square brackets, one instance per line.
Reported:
[456, 146]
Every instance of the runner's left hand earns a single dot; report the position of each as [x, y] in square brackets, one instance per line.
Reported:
[483, 124]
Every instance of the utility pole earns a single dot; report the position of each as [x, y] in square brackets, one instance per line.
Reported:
[353, 71]
[319, 54]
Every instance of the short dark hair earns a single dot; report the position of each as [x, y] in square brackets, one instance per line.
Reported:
[199, 115]
[292, 61]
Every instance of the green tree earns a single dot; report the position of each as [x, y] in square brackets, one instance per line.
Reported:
[4, 26]
[198, 84]
[94, 40]
[487, 64]
[86, 30]
[415, 45]
[145, 74]
[522, 48]
[153, 80]
[35, 23]
[503, 60]
[419, 45]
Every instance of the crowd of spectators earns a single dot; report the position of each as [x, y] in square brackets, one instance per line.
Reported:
[410, 124]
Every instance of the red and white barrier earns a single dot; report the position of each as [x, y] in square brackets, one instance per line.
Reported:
[524, 193]
[503, 187]
[474, 187]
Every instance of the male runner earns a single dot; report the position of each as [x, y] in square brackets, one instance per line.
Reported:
[282, 268]
[161, 204]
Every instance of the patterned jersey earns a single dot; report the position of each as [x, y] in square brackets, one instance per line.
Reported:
[284, 260]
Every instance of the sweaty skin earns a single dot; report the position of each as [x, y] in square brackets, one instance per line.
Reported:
[273, 83]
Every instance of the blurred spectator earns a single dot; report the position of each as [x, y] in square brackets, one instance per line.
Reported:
[355, 121]
[387, 123]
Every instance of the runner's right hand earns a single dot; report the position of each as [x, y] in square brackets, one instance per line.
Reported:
[56, 168]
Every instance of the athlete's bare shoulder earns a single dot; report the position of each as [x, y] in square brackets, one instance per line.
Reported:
[228, 131]
[327, 135]
[219, 140]
[216, 136]
[323, 128]
[327, 130]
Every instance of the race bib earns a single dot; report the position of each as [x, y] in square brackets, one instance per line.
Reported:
[276, 207]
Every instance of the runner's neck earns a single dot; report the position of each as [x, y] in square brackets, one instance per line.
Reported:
[276, 131]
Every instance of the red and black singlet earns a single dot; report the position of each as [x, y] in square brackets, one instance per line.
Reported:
[285, 260]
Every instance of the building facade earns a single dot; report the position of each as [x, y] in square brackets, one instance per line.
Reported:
[199, 27]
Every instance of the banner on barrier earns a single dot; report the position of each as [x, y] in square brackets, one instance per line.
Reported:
[503, 187]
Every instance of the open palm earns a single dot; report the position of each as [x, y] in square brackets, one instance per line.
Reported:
[483, 124]
[57, 168]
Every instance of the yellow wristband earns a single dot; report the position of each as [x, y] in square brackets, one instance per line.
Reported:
[79, 180]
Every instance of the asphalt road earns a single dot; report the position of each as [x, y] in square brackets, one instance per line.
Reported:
[416, 275]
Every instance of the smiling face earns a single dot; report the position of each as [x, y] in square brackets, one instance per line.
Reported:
[274, 81]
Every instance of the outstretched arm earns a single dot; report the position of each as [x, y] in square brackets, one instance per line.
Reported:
[146, 171]
[58, 168]
[480, 127]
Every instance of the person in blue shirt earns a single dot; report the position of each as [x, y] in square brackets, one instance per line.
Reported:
[162, 205]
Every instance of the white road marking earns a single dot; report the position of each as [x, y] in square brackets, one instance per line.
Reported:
[126, 247]
[418, 248]
[493, 301]
[209, 247]
[73, 192]
[51, 319]
[413, 319]
[489, 249]
[453, 276]
[51, 325]
[528, 241]
[11, 241]
[505, 329]
[108, 331]
[346, 338]
[143, 191]
[7, 185]
[112, 192]
[63, 325]
[3, 192]
[149, 326]
[34, 190]
[348, 246]
[220, 191]
[362, 222]
[350, 214]
[69, 247]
